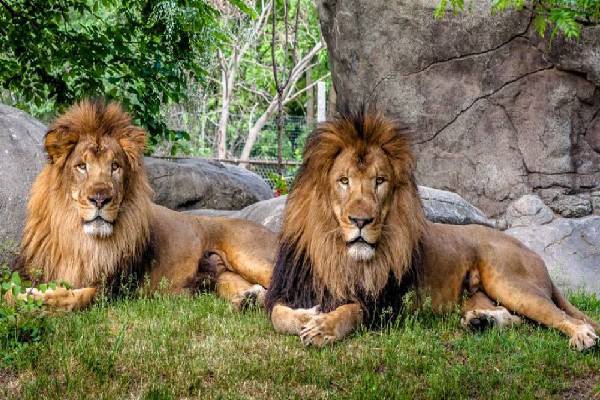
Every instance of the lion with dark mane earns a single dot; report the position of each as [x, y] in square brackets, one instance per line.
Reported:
[91, 220]
[355, 240]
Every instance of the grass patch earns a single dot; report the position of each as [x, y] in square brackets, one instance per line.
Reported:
[171, 348]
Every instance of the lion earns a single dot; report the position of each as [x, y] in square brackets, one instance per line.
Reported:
[91, 221]
[355, 240]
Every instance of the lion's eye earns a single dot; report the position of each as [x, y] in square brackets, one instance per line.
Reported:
[82, 167]
[379, 180]
[344, 180]
[115, 166]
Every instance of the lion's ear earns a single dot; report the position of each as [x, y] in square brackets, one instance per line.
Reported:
[133, 143]
[58, 143]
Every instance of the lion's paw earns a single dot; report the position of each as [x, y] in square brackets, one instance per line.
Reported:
[483, 319]
[584, 337]
[254, 296]
[318, 331]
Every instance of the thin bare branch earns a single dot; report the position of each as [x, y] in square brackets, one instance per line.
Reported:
[257, 92]
[295, 46]
[273, 60]
[293, 96]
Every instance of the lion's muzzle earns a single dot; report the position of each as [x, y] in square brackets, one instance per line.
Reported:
[98, 227]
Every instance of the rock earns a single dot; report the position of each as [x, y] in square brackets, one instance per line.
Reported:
[183, 184]
[267, 212]
[440, 206]
[596, 202]
[528, 210]
[496, 113]
[571, 249]
[572, 206]
[450, 208]
[21, 159]
[580, 55]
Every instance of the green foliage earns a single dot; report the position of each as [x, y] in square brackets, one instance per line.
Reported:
[255, 85]
[279, 183]
[561, 16]
[22, 320]
[140, 52]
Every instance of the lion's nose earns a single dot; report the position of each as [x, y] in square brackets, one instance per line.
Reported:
[100, 199]
[360, 222]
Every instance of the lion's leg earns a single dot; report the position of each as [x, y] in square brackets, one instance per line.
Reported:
[239, 291]
[61, 299]
[249, 249]
[531, 302]
[480, 312]
[252, 267]
[291, 320]
[326, 328]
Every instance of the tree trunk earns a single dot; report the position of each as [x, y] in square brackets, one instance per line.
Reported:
[224, 117]
[280, 127]
[255, 131]
[332, 102]
[310, 100]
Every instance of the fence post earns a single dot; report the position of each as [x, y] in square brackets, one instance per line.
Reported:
[321, 102]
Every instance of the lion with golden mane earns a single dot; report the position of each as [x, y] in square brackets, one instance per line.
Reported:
[91, 221]
[355, 239]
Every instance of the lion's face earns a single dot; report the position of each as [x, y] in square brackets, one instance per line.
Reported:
[361, 197]
[96, 153]
[97, 173]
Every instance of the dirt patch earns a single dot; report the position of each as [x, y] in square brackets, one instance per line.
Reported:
[582, 388]
[10, 385]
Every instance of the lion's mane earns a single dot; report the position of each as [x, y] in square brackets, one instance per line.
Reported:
[53, 241]
[312, 265]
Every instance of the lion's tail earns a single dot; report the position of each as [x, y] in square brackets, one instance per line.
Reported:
[570, 309]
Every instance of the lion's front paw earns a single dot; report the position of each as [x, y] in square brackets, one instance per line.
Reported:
[584, 338]
[318, 331]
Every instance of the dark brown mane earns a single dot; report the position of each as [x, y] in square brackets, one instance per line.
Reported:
[312, 267]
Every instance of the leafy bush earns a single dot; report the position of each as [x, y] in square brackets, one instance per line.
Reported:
[140, 52]
[558, 16]
[279, 183]
[22, 318]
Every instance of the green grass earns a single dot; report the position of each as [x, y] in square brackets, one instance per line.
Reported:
[163, 348]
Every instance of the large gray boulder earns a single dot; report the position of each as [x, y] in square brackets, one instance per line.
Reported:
[450, 208]
[440, 206]
[21, 159]
[182, 184]
[571, 249]
[496, 112]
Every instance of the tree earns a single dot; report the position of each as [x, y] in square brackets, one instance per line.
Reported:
[245, 69]
[142, 53]
[560, 16]
[229, 69]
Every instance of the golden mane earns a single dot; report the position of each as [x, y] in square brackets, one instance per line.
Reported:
[313, 255]
[53, 241]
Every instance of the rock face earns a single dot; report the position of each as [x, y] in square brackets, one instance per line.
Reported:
[184, 184]
[21, 159]
[571, 249]
[496, 112]
[439, 205]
